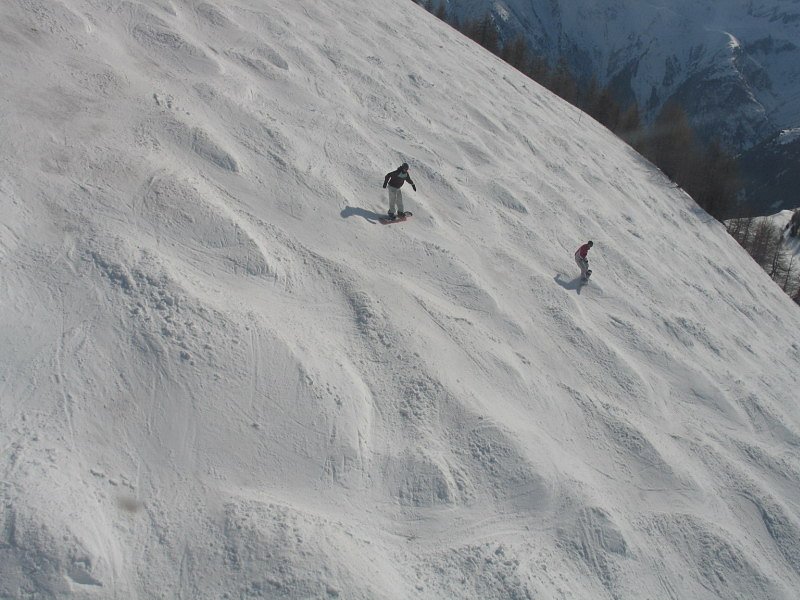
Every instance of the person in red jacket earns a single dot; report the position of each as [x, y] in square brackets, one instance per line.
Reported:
[395, 180]
[582, 260]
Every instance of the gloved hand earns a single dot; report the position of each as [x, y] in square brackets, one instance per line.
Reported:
[384, 186]
[413, 186]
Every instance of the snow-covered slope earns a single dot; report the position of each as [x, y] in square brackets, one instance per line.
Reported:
[734, 66]
[221, 377]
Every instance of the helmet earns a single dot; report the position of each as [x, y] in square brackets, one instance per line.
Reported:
[404, 166]
[590, 242]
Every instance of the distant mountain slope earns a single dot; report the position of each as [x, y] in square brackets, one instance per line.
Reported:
[773, 170]
[220, 377]
[734, 66]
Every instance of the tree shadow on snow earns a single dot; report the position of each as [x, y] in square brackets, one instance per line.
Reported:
[574, 284]
[353, 211]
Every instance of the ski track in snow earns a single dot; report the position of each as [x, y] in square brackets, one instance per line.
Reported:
[221, 377]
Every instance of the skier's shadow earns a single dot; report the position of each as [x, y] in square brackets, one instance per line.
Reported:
[354, 211]
[574, 284]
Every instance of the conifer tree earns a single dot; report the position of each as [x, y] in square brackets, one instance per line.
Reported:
[790, 280]
[484, 32]
[629, 127]
[562, 83]
[670, 143]
[516, 53]
[538, 69]
[741, 229]
[762, 244]
[720, 183]
[587, 97]
[778, 264]
[606, 109]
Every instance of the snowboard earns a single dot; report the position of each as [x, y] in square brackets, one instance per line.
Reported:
[588, 277]
[399, 219]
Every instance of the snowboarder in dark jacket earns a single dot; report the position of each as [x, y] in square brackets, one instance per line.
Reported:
[395, 181]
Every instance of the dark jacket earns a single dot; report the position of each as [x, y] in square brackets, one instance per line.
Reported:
[397, 178]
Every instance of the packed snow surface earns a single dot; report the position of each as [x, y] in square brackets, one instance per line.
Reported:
[220, 376]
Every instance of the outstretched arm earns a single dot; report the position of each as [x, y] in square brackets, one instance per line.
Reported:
[412, 184]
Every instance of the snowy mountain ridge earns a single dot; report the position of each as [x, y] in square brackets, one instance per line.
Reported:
[220, 376]
[787, 136]
[733, 66]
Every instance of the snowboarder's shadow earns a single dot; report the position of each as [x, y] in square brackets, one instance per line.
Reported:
[574, 284]
[353, 211]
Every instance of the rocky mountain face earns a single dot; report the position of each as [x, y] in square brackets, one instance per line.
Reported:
[773, 170]
[734, 66]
